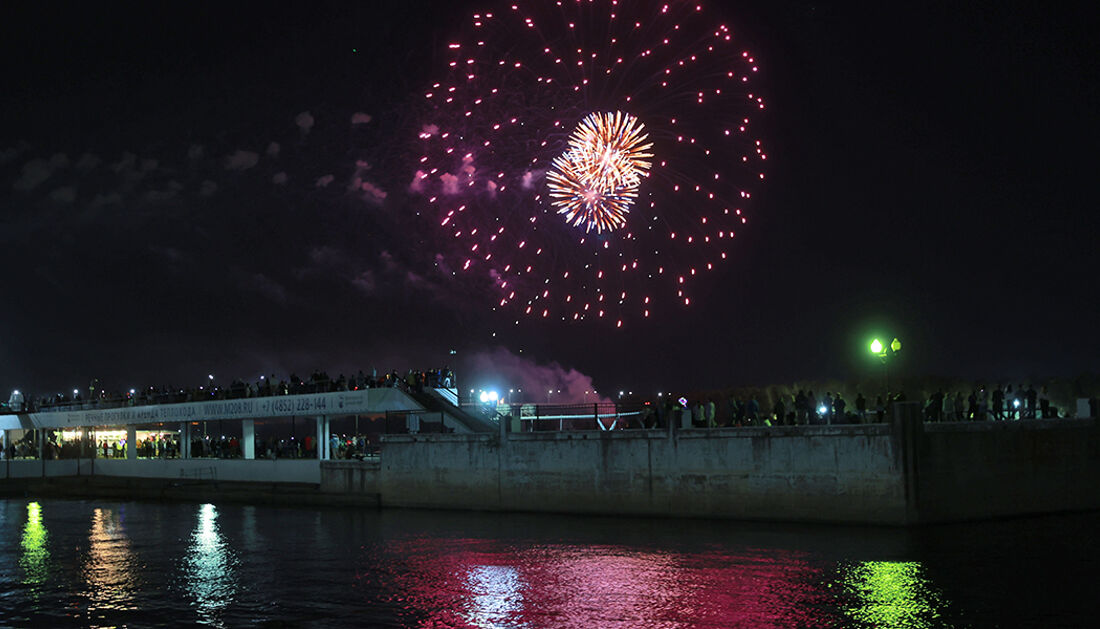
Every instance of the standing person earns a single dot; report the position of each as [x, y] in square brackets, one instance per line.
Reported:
[957, 404]
[1029, 398]
[880, 409]
[1044, 403]
[752, 412]
[983, 404]
[811, 408]
[839, 406]
[779, 410]
[861, 407]
[711, 408]
[800, 407]
[998, 402]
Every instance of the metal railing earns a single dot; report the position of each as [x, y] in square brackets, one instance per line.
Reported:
[567, 417]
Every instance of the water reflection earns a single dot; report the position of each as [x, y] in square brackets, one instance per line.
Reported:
[209, 569]
[36, 556]
[478, 583]
[892, 594]
[109, 569]
[496, 596]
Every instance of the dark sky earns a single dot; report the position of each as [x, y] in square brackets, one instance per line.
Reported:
[933, 177]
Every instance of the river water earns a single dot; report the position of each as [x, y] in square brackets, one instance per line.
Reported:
[102, 564]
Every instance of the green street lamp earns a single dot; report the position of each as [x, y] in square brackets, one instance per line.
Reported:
[884, 353]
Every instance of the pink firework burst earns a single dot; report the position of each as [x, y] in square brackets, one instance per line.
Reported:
[591, 159]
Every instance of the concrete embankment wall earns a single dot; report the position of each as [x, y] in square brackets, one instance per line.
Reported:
[899, 473]
[996, 469]
[237, 470]
[834, 474]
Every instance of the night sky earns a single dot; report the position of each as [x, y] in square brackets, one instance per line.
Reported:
[932, 177]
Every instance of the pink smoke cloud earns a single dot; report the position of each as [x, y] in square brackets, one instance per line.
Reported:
[450, 183]
[241, 160]
[417, 184]
[360, 118]
[324, 180]
[207, 188]
[304, 121]
[373, 193]
[502, 369]
[279, 179]
[273, 149]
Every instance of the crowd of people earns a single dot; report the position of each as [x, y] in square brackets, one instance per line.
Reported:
[1000, 403]
[96, 396]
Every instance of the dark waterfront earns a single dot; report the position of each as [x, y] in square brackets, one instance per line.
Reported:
[102, 563]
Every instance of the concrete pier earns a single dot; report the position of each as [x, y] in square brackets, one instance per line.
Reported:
[892, 474]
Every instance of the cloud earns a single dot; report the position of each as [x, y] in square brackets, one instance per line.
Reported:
[88, 162]
[450, 183]
[365, 282]
[195, 151]
[304, 121]
[501, 368]
[273, 149]
[324, 180]
[101, 200]
[207, 188]
[35, 172]
[261, 284]
[529, 178]
[241, 160]
[360, 118]
[9, 154]
[125, 164]
[149, 164]
[64, 195]
[428, 131]
[279, 179]
[373, 193]
[59, 161]
[417, 184]
[166, 194]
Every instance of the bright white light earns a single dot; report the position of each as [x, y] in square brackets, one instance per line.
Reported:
[493, 396]
[15, 392]
[484, 397]
[1015, 403]
[821, 410]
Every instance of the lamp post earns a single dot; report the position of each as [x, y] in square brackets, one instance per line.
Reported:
[885, 353]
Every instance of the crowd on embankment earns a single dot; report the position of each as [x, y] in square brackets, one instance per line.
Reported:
[97, 396]
[949, 402]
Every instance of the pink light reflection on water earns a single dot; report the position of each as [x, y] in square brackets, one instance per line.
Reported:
[478, 583]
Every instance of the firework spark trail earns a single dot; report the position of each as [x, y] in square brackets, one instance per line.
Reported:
[595, 182]
[590, 159]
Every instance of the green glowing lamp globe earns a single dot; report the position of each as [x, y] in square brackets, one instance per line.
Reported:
[896, 345]
[876, 346]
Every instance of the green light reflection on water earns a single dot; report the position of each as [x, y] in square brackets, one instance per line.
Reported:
[892, 594]
[36, 555]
